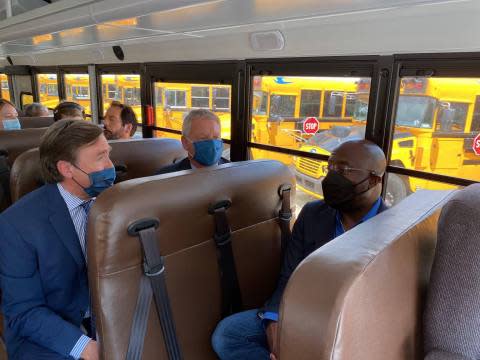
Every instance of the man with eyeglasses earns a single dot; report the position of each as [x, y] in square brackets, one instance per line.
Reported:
[352, 195]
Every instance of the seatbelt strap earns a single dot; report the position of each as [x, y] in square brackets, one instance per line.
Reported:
[154, 271]
[285, 215]
[140, 321]
[231, 295]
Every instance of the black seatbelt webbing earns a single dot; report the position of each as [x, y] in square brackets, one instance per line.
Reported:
[140, 321]
[154, 270]
[231, 295]
[285, 215]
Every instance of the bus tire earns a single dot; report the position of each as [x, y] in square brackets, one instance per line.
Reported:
[396, 190]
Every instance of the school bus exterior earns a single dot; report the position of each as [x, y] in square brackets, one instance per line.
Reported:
[4, 89]
[77, 89]
[435, 122]
[48, 90]
[173, 101]
[281, 105]
[122, 88]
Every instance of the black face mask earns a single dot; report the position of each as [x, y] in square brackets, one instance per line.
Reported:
[339, 192]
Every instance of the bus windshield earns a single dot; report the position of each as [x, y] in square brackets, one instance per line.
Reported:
[415, 111]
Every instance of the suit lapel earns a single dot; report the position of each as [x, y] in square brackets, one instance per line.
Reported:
[63, 224]
[325, 226]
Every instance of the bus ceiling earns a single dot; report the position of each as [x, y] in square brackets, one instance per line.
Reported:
[213, 29]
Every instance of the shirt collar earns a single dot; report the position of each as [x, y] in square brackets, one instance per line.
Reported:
[370, 214]
[71, 200]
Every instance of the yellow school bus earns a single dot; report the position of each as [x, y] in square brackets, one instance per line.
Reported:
[123, 88]
[48, 90]
[77, 87]
[173, 101]
[435, 123]
[4, 89]
[281, 105]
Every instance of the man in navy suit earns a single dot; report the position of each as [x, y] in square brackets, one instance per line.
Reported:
[351, 191]
[201, 139]
[43, 273]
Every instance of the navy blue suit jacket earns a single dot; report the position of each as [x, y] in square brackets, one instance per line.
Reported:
[43, 275]
[315, 226]
[182, 165]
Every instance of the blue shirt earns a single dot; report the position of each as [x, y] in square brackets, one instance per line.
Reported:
[339, 230]
[79, 218]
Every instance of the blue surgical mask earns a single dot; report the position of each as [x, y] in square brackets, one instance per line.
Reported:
[99, 180]
[11, 124]
[208, 152]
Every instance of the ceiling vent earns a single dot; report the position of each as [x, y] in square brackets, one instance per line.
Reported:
[267, 40]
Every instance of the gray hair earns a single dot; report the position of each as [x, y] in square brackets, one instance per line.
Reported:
[197, 114]
[34, 109]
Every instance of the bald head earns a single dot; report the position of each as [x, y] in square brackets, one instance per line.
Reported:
[362, 164]
[361, 154]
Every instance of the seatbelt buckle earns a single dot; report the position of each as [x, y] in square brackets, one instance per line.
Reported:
[154, 270]
[285, 216]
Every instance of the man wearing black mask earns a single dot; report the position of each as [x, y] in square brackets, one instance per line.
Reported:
[352, 190]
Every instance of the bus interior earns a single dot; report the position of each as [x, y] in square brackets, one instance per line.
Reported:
[403, 74]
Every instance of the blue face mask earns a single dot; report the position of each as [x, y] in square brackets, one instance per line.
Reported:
[208, 152]
[99, 180]
[11, 124]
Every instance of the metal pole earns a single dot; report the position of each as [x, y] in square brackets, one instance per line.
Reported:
[93, 93]
[9, 8]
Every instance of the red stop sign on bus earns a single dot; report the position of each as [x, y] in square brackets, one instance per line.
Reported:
[310, 125]
[476, 145]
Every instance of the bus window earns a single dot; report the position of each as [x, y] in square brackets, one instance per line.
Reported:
[350, 105]
[400, 186]
[78, 90]
[332, 104]
[4, 89]
[260, 100]
[48, 90]
[221, 99]
[434, 122]
[282, 106]
[124, 88]
[200, 97]
[310, 103]
[180, 98]
[475, 128]
[132, 96]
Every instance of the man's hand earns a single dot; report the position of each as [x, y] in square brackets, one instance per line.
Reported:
[91, 351]
[271, 331]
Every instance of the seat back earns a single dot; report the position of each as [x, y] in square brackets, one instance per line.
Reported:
[133, 158]
[361, 295]
[185, 236]
[29, 122]
[17, 141]
[452, 317]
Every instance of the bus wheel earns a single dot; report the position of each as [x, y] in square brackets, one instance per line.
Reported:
[396, 190]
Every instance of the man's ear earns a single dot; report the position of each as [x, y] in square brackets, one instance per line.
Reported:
[187, 145]
[128, 129]
[65, 169]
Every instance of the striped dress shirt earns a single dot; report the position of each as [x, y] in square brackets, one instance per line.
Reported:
[78, 213]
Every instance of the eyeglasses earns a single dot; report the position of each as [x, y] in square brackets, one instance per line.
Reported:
[346, 170]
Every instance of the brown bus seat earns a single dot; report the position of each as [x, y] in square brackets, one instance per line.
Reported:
[185, 236]
[361, 296]
[28, 122]
[18, 141]
[12, 144]
[135, 158]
